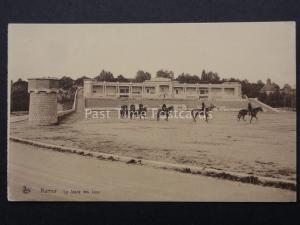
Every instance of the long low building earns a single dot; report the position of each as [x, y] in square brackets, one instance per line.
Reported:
[161, 88]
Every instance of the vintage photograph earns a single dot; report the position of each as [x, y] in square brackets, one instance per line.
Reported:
[184, 112]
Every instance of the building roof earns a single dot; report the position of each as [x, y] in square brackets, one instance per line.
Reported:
[269, 86]
[287, 87]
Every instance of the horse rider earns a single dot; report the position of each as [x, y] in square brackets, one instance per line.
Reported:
[141, 106]
[203, 106]
[250, 108]
[164, 107]
[132, 111]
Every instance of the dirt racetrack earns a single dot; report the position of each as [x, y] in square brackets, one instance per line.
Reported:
[265, 148]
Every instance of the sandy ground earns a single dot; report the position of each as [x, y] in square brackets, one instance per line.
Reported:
[45, 172]
[265, 148]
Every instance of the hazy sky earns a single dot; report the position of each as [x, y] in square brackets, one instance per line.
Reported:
[243, 50]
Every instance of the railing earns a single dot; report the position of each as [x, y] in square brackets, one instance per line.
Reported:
[263, 104]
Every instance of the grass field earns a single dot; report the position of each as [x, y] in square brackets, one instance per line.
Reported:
[265, 148]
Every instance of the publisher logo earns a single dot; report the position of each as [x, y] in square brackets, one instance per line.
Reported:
[26, 189]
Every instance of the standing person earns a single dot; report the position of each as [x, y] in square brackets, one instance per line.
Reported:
[203, 109]
[250, 108]
[203, 106]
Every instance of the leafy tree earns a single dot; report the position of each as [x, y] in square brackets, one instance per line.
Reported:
[66, 82]
[273, 84]
[263, 97]
[19, 96]
[165, 74]
[105, 76]
[209, 77]
[286, 100]
[278, 99]
[187, 78]
[287, 86]
[141, 76]
[194, 79]
[121, 78]
[276, 86]
[274, 99]
[183, 78]
[251, 90]
[214, 77]
[79, 81]
[260, 83]
[233, 80]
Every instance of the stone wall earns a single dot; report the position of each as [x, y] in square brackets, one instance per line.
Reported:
[43, 108]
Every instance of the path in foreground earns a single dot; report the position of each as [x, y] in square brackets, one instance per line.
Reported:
[114, 181]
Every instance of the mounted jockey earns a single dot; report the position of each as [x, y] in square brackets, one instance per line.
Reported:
[203, 106]
[250, 108]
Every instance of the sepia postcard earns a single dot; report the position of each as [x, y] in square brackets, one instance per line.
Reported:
[185, 112]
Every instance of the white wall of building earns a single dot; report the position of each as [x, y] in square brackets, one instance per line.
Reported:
[160, 89]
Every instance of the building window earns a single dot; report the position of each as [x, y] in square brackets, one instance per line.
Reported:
[203, 91]
[177, 92]
[137, 90]
[124, 90]
[150, 90]
[97, 89]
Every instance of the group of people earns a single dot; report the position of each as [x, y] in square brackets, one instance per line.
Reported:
[132, 111]
[203, 111]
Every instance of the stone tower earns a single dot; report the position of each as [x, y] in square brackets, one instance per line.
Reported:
[43, 100]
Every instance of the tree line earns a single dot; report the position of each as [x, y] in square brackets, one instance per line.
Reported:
[141, 76]
[206, 77]
[20, 96]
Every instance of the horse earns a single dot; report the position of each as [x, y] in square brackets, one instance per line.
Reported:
[254, 112]
[164, 111]
[206, 112]
[142, 111]
[132, 111]
[124, 111]
[242, 113]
